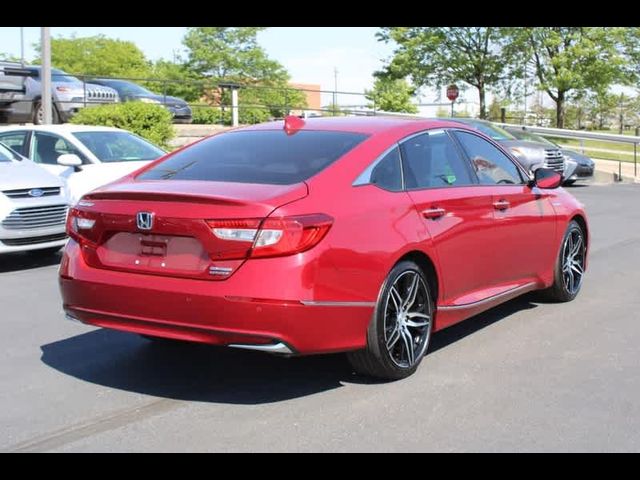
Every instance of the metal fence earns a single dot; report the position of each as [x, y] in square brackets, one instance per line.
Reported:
[211, 102]
[583, 136]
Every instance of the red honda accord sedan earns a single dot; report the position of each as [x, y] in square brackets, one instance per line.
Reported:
[362, 235]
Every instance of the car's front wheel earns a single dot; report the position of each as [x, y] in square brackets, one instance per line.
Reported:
[38, 114]
[399, 333]
[570, 265]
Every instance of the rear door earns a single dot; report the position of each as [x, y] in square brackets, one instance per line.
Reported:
[525, 220]
[457, 212]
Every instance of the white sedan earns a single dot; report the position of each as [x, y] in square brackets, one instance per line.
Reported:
[86, 157]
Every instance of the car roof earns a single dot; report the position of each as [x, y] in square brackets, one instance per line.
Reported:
[64, 128]
[363, 124]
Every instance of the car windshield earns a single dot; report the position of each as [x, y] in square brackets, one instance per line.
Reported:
[127, 88]
[531, 137]
[58, 76]
[118, 146]
[493, 131]
[263, 157]
[7, 155]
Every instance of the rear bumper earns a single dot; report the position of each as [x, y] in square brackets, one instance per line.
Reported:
[234, 312]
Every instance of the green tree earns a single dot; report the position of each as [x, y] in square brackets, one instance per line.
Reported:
[98, 56]
[435, 56]
[391, 95]
[175, 78]
[573, 59]
[601, 108]
[232, 54]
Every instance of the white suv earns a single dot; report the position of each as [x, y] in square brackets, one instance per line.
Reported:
[33, 206]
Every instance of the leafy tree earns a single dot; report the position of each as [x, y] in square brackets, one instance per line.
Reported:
[391, 95]
[435, 56]
[176, 79]
[98, 56]
[573, 59]
[232, 54]
[601, 107]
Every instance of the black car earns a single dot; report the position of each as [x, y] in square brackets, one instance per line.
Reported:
[130, 91]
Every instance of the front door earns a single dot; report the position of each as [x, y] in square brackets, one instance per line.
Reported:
[525, 220]
[457, 212]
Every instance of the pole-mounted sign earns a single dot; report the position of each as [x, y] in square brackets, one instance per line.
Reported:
[452, 94]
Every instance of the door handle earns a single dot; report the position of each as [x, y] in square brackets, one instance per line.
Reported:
[433, 213]
[501, 205]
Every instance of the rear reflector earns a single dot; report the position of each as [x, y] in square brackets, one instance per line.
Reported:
[273, 237]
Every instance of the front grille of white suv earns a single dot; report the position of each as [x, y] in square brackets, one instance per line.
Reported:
[29, 192]
[36, 217]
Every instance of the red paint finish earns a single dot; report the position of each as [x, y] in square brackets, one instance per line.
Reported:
[332, 245]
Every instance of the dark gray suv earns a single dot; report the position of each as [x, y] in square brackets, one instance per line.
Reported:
[531, 155]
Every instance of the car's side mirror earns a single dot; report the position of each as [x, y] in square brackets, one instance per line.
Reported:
[546, 178]
[70, 160]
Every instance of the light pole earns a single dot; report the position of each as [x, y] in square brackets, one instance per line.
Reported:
[335, 90]
[45, 74]
[22, 47]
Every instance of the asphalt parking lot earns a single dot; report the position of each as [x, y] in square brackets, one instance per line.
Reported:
[526, 376]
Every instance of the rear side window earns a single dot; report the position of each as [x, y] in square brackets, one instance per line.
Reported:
[267, 157]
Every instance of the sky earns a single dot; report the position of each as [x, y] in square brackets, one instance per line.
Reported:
[310, 54]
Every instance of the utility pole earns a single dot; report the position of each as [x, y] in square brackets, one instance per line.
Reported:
[621, 113]
[45, 74]
[335, 90]
[22, 47]
[525, 93]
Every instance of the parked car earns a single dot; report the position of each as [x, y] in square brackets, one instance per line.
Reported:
[33, 206]
[85, 156]
[531, 155]
[129, 91]
[578, 165]
[350, 234]
[69, 94]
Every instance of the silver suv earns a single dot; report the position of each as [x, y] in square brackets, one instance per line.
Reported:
[20, 94]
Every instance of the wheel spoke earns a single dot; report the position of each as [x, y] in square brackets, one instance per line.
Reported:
[577, 246]
[396, 298]
[571, 281]
[413, 292]
[417, 323]
[408, 344]
[393, 338]
[577, 268]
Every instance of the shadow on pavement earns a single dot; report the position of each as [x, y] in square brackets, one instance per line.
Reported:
[14, 262]
[205, 373]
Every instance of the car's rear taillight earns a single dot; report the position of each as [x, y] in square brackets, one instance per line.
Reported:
[81, 226]
[273, 237]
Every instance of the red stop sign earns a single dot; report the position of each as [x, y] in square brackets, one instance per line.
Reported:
[452, 92]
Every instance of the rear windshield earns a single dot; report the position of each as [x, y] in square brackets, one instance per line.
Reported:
[268, 157]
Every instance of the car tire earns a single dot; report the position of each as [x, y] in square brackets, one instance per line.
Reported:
[38, 114]
[569, 266]
[399, 333]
